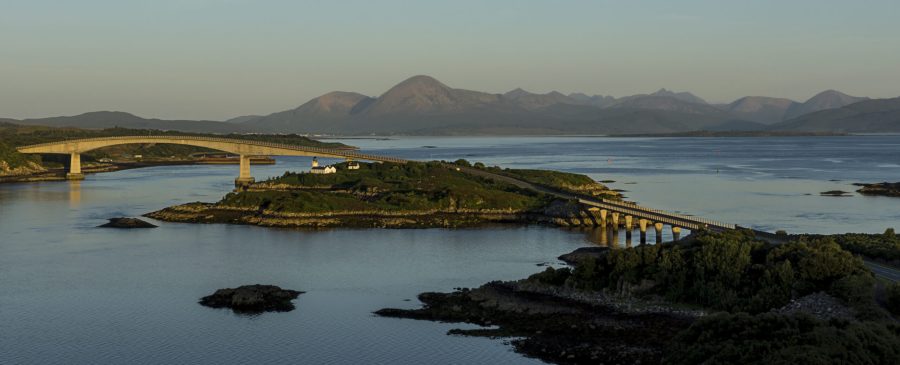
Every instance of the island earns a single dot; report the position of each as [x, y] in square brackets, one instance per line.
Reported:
[717, 298]
[390, 195]
[252, 299]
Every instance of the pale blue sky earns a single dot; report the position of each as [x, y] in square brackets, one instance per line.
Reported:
[214, 59]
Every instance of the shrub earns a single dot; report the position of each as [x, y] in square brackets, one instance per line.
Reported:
[778, 339]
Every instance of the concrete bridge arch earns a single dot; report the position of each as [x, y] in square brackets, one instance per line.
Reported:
[244, 148]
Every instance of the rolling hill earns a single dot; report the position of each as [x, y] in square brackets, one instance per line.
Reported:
[828, 99]
[106, 119]
[868, 116]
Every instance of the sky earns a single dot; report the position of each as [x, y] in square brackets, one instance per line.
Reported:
[217, 59]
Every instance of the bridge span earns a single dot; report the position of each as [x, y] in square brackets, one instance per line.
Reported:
[616, 213]
[245, 148]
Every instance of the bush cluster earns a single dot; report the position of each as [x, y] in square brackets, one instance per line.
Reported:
[386, 186]
[730, 271]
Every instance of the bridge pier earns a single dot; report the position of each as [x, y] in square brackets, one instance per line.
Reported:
[659, 227]
[74, 167]
[603, 217]
[642, 225]
[676, 233]
[244, 177]
[615, 221]
[629, 226]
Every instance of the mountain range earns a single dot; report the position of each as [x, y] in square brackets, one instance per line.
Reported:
[423, 105]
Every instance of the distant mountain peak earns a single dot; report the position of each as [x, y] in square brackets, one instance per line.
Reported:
[517, 93]
[683, 96]
[831, 95]
[425, 94]
[420, 81]
[828, 99]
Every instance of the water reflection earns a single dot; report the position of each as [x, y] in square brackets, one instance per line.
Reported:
[619, 238]
[74, 193]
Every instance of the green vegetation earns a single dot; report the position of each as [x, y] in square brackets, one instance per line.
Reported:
[564, 181]
[388, 187]
[749, 280]
[883, 247]
[12, 157]
[728, 271]
[892, 298]
[778, 339]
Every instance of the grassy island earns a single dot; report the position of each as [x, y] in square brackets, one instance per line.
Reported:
[415, 194]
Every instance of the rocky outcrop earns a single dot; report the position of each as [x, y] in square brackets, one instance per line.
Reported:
[834, 193]
[551, 327]
[819, 305]
[252, 299]
[880, 189]
[27, 169]
[127, 223]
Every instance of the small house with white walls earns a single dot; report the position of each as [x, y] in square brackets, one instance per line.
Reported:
[316, 169]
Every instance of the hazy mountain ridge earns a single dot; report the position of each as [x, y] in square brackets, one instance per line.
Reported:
[424, 105]
[760, 109]
[110, 119]
[867, 116]
[828, 99]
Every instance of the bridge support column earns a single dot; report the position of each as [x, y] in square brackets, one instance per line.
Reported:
[603, 217]
[615, 221]
[75, 167]
[659, 227]
[642, 225]
[244, 177]
[676, 233]
[629, 226]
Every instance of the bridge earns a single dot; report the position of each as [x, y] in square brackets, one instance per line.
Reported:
[245, 148]
[610, 212]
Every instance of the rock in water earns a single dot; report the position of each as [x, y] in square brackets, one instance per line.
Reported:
[882, 189]
[127, 223]
[252, 299]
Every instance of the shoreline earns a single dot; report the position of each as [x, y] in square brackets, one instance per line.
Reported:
[59, 173]
[210, 213]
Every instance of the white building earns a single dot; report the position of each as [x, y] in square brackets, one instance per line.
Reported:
[323, 170]
[316, 169]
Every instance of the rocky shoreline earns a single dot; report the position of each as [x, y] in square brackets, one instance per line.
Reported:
[559, 214]
[563, 328]
[880, 189]
[59, 174]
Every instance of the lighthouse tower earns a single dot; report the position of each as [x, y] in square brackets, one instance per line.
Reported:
[315, 162]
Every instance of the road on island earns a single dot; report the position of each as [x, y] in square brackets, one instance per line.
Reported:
[883, 271]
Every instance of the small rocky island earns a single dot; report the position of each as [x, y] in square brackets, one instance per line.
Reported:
[125, 222]
[880, 189]
[388, 195]
[252, 299]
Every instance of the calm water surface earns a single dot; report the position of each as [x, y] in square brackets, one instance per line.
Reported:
[70, 293]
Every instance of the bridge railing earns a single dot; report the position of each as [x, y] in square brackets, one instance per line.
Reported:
[682, 217]
[311, 149]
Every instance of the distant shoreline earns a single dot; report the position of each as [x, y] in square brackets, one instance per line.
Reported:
[627, 135]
